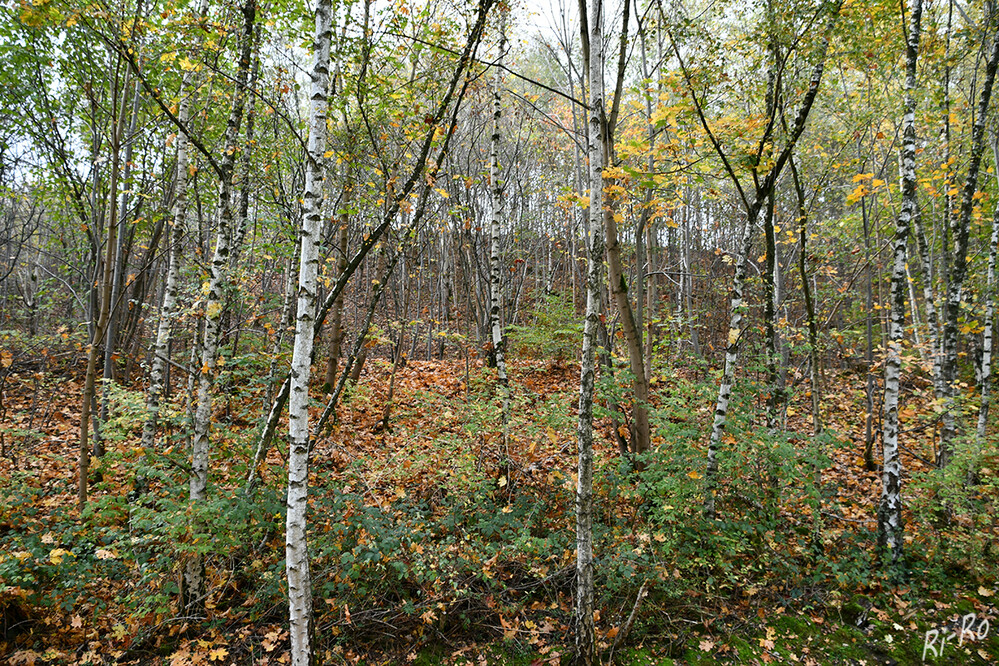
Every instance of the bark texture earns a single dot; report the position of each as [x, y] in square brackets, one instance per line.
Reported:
[890, 526]
[495, 229]
[296, 543]
[592, 36]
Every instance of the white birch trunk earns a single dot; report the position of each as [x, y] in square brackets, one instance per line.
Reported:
[731, 358]
[583, 611]
[194, 589]
[990, 310]
[890, 526]
[496, 218]
[296, 545]
[164, 328]
[161, 347]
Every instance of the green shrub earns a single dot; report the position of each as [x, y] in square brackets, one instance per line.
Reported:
[554, 333]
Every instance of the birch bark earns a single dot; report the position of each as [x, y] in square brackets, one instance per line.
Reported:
[296, 543]
[985, 373]
[161, 347]
[194, 589]
[593, 52]
[495, 226]
[890, 526]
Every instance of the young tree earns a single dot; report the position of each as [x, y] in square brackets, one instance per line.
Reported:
[591, 33]
[890, 508]
[496, 186]
[178, 214]
[194, 579]
[960, 226]
[752, 199]
[296, 545]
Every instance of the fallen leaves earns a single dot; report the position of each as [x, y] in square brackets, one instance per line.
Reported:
[218, 654]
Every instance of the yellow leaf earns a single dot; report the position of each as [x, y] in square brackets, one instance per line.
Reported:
[984, 592]
[328, 154]
[218, 654]
[693, 474]
[502, 481]
[57, 555]
[733, 336]
[442, 192]
[6, 359]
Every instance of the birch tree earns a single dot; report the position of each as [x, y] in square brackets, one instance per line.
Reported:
[178, 215]
[194, 591]
[591, 34]
[296, 545]
[985, 368]
[496, 183]
[890, 509]
[752, 201]
[959, 228]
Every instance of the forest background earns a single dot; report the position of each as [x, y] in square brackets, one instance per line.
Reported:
[412, 332]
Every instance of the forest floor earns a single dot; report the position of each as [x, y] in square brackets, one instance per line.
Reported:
[79, 589]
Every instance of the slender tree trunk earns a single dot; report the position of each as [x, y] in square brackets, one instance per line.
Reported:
[869, 435]
[890, 527]
[100, 328]
[593, 56]
[813, 330]
[731, 358]
[990, 310]
[930, 297]
[161, 347]
[960, 227]
[296, 545]
[111, 339]
[640, 432]
[336, 317]
[496, 183]
[194, 583]
[398, 356]
[775, 397]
